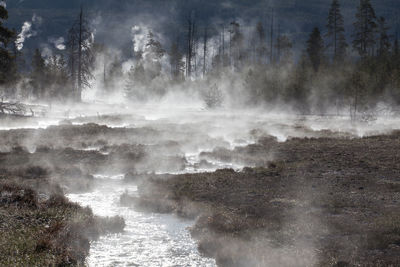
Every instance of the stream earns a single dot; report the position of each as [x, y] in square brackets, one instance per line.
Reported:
[153, 239]
[148, 240]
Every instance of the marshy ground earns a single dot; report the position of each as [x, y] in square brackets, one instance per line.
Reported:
[322, 201]
[262, 193]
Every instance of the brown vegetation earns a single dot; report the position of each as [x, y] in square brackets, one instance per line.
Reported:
[39, 226]
[334, 201]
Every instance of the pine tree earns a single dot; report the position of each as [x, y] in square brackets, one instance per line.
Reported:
[18, 57]
[384, 40]
[135, 82]
[80, 53]
[57, 77]
[271, 52]
[6, 58]
[365, 29]
[176, 62]
[285, 48]
[191, 44]
[236, 45]
[154, 48]
[130, 82]
[396, 48]
[261, 43]
[71, 51]
[38, 75]
[315, 49]
[205, 50]
[153, 54]
[335, 34]
[115, 72]
[102, 57]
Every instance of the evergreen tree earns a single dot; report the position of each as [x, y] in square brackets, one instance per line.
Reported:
[191, 44]
[396, 48]
[176, 62]
[335, 34]
[384, 40]
[285, 46]
[135, 82]
[80, 53]
[261, 43]
[205, 50]
[315, 49]
[19, 61]
[38, 75]
[101, 57]
[115, 71]
[71, 52]
[365, 29]
[154, 48]
[152, 57]
[357, 93]
[6, 58]
[130, 82]
[236, 46]
[57, 77]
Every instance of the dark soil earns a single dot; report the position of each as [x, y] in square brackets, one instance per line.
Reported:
[312, 202]
[332, 200]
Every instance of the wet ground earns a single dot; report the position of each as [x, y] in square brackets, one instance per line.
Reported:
[309, 170]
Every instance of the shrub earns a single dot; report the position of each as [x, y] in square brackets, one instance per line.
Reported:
[14, 194]
[33, 172]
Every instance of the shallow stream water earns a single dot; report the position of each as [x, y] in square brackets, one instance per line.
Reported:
[164, 240]
[148, 240]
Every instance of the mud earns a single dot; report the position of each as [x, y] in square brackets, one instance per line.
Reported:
[317, 201]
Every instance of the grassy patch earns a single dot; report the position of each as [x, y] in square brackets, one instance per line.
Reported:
[51, 233]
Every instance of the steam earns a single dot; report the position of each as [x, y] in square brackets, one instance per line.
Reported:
[25, 34]
[139, 37]
[27, 31]
[59, 43]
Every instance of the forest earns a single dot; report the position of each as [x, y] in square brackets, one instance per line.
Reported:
[230, 64]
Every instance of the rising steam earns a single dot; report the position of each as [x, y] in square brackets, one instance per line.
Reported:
[27, 31]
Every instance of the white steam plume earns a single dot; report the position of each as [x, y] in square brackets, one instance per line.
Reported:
[58, 43]
[139, 37]
[27, 32]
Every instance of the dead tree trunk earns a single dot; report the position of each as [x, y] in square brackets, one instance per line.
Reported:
[80, 44]
[205, 50]
[189, 55]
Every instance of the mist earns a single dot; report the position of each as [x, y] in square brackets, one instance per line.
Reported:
[191, 133]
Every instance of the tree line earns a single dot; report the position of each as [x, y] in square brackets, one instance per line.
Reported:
[327, 76]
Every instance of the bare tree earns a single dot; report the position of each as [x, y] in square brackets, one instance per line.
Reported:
[272, 37]
[205, 50]
[191, 43]
[80, 53]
